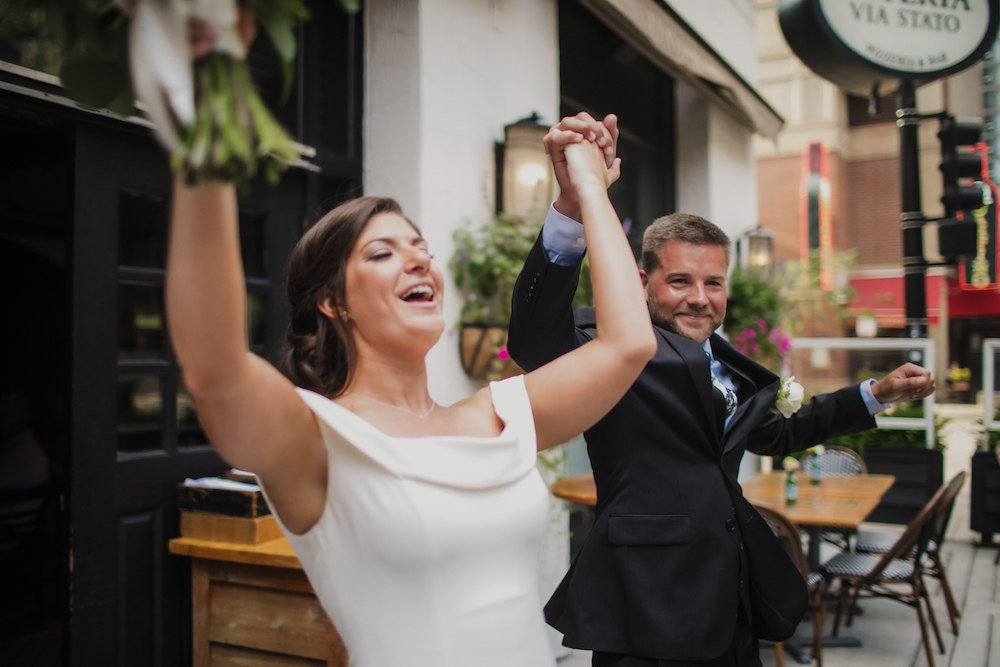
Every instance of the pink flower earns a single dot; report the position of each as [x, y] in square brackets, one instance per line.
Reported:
[785, 345]
[503, 354]
[754, 347]
[762, 326]
[749, 334]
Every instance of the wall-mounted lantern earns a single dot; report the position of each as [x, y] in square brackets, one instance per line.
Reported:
[757, 252]
[524, 176]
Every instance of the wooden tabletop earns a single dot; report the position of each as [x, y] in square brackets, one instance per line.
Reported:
[275, 553]
[836, 501]
[580, 489]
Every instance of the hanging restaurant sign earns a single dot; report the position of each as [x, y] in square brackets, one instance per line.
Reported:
[860, 44]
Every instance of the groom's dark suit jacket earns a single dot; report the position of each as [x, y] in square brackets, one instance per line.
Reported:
[664, 571]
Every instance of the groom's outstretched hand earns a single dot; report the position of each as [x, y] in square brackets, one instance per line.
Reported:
[909, 381]
[572, 130]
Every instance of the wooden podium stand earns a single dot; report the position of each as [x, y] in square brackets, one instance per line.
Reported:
[251, 604]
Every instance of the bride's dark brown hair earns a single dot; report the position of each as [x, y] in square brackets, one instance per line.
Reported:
[318, 351]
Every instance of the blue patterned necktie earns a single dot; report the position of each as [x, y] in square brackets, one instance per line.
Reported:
[727, 394]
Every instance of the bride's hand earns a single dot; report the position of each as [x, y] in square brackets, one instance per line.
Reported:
[586, 166]
[203, 35]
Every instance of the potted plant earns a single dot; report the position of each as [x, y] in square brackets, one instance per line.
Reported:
[485, 265]
[752, 317]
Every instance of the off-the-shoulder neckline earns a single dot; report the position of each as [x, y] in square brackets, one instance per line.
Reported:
[367, 424]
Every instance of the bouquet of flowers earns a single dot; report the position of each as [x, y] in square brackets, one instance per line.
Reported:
[206, 113]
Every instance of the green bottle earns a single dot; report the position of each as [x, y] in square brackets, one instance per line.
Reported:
[791, 488]
[815, 474]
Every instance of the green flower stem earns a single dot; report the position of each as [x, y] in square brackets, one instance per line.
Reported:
[234, 137]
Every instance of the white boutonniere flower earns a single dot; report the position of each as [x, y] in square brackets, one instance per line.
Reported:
[789, 398]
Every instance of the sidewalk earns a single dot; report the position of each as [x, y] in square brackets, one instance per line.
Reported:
[888, 630]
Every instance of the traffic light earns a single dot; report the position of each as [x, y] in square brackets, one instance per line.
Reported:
[961, 164]
[957, 237]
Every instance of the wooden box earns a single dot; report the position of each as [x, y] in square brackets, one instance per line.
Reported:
[223, 528]
[222, 501]
[253, 615]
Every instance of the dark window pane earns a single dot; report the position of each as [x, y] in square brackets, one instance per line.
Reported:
[142, 230]
[253, 244]
[140, 321]
[189, 431]
[257, 322]
[266, 69]
[140, 413]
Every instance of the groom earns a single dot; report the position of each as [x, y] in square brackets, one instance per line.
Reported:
[664, 576]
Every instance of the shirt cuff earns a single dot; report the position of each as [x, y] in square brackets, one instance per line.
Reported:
[873, 404]
[562, 239]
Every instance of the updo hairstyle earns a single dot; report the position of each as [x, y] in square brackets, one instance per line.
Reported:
[319, 352]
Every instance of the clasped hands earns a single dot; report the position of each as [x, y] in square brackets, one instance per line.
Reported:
[572, 131]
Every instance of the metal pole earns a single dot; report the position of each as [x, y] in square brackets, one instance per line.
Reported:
[911, 218]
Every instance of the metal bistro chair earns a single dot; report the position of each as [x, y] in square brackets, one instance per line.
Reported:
[791, 541]
[880, 542]
[836, 461]
[896, 575]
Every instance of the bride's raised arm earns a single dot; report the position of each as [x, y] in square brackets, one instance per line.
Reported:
[571, 393]
[248, 409]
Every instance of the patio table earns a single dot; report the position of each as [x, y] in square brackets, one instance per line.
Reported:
[842, 502]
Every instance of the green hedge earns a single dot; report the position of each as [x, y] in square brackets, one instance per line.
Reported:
[885, 437]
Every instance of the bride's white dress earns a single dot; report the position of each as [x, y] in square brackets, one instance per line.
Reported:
[427, 549]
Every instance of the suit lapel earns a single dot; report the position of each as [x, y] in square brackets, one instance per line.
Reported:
[696, 362]
[757, 391]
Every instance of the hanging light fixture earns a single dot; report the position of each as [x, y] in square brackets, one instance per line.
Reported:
[524, 175]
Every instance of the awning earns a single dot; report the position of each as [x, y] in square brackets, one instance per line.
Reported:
[883, 298]
[651, 27]
[972, 303]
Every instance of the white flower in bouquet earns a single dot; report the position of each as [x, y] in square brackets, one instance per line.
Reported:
[206, 113]
[789, 398]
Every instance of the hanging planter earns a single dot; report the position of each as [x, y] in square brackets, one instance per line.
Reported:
[483, 349]
[485, 266]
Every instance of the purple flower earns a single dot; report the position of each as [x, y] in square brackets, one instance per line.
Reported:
[785, 345]
[749, 334]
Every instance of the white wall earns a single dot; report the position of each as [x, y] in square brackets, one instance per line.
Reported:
[728, 27]
[443, 77]
[716, 167]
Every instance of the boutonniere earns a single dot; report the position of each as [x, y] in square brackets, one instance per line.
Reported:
[789, 398]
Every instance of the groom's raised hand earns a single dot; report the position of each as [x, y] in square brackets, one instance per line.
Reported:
[572, 130]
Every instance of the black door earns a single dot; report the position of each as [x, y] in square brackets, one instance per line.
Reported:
[35, 223]
[600, 73]
[135, 434]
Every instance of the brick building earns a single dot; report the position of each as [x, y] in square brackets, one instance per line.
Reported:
[840, 154]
